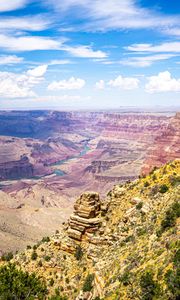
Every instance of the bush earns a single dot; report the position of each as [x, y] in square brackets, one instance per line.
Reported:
[16, 284]
[170, 217]
[154, 177]
[125, 278]
[47, 258]
[34, 255]
[176, 259]
[139, 205]
[88, 284]
[51, 282]
[78, 253]
[163, 188]
[149, 287]
[7, 256]
[146, 184]
[40, 263]
[172, 278]
[45, 239]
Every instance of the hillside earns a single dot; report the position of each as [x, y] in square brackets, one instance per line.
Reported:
[122, 247]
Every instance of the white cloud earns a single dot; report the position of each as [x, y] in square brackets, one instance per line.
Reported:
[70, 84]
[115, 14]
[31, 23]
[13, 85]
[165, 47]
[100, 85]
[59, 62]
[8, 5]
[125, 83]
[173, 31]
[28, 43]
[85, 52]
[145, 61]
[10, 59]
[38, 71]
[163, 82]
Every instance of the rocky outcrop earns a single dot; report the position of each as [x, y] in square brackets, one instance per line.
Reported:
[86, 217]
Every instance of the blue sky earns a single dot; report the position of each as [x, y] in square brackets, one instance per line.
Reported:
[89, 54]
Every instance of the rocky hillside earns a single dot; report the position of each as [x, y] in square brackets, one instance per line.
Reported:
[122, 247]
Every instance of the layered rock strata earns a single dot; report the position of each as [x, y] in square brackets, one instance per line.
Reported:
[86, 217]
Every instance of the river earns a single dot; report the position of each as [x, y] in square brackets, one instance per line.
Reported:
[83, 152]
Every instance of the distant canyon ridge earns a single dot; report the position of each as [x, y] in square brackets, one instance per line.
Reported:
[47, 158]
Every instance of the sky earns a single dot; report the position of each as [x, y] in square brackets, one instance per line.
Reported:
[89, 54]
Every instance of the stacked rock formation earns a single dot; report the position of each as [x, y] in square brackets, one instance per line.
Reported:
[86, 216]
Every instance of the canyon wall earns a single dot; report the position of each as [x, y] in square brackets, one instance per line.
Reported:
[166, 146]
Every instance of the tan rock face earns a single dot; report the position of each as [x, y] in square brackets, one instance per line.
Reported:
[86, 216]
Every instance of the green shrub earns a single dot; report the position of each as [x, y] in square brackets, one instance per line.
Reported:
[47, 258]
[149, 287]
[125, 278]
[163, 188]
[139, 205]
[45, 239]
[28, 247]
[40, 263]
[34, 255]
[18, 285]
[170, 217]
[51, 282]
[7, 256]
[146, 184]
[154, 177]
[78, 253]
[172, 278]
[88, 284]
[176, 259]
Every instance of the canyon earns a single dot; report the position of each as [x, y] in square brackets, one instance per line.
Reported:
[47, 158]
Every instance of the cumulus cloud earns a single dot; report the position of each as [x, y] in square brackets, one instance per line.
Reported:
[100, 85]
[163, 82]
[37, 72]
[10, 59]
[13, 85]
[85, 52]
[125, 83]
[70, 84]
[8, 5]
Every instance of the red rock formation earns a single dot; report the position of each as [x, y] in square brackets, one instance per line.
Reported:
[166, 147]
[16, 169]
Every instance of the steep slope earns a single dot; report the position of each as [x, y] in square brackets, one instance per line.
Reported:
[124, 247]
